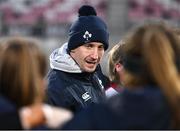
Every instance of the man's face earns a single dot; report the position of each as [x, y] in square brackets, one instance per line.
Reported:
[88, 55]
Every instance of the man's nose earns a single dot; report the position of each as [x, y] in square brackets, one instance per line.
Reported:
[94, 54]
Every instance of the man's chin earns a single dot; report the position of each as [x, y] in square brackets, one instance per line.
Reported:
[89, 70]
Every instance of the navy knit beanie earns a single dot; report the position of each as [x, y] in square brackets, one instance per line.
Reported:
[88, 28]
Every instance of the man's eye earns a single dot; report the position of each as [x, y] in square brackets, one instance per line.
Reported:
[88, 46]
[101, 47]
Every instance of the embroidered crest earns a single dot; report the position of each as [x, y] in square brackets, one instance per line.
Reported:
[86, 96]
[87, 35]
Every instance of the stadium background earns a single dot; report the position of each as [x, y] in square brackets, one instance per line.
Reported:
[48, 21]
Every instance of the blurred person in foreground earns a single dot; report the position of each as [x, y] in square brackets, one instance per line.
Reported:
[75, 79]
[151, 93]
[115, 69]
[22, 70]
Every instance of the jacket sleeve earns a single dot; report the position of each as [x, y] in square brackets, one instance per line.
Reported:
[56, 92]
[9, 116]
[57, 97]
[10, 120]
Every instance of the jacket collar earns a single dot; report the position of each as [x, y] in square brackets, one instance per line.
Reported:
[61, 60]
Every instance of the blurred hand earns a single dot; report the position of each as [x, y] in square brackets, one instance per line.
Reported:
[32, 116]
[56, 117]
[39, 114]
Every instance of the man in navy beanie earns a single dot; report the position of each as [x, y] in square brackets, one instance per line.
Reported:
[75, 79]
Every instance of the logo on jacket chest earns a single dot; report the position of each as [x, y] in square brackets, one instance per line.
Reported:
[86, 96]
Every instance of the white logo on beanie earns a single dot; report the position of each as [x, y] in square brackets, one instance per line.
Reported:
[87, 35]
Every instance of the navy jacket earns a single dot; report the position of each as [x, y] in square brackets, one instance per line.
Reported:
[145, 108]
[9, 116]
[74, 91]
[69, 86]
